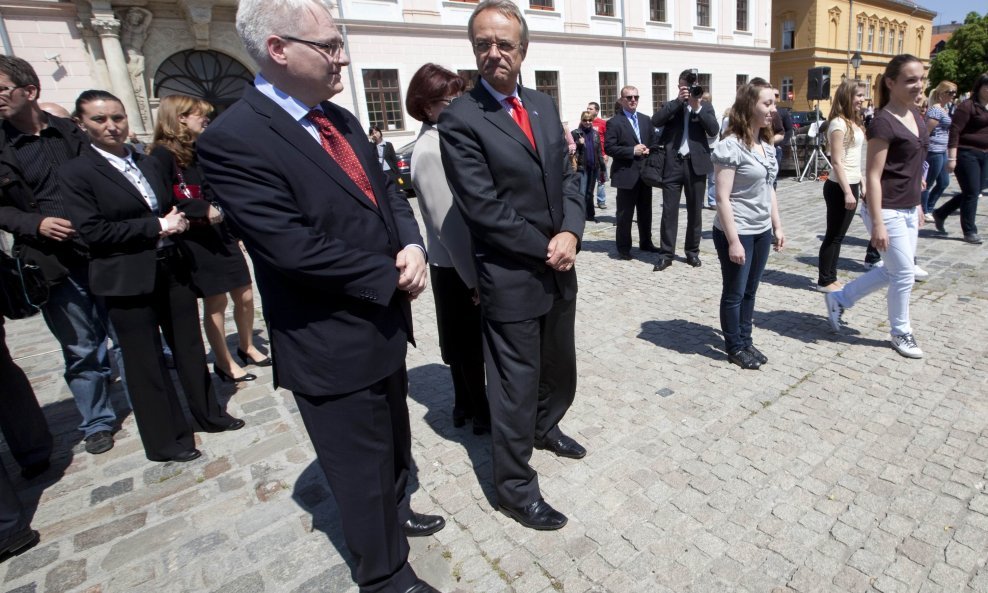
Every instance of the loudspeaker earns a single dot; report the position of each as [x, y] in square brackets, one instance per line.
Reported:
[819, 83]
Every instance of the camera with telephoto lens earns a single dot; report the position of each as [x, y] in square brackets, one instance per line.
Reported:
[693, 82]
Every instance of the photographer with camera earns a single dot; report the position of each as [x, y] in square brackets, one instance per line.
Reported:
[686, 123]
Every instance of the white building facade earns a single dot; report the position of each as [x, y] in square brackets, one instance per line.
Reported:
[580, 50]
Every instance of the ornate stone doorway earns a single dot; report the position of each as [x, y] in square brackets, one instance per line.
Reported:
[206, 74]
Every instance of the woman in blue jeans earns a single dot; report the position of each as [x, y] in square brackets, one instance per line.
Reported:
[938, 123]
[967, 159]
[747, 222]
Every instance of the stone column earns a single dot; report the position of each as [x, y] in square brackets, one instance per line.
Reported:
[109, 34]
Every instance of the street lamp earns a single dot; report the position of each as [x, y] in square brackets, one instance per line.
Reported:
[856, 63]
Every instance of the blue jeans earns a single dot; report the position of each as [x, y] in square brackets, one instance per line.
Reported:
[937, 180]
[79, 322]
[971, 170]
[737, 301]
[711, 189]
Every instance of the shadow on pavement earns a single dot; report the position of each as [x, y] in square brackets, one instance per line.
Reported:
[432, 386]
[312, 493]
[810, 328]
[685, 337]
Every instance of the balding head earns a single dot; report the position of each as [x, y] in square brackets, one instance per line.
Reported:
[55, 109]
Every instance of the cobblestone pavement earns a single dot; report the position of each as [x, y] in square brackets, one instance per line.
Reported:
[838, 467]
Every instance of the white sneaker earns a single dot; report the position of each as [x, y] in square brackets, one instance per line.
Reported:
[834, 311]
[906, 346]
[920, 274]
[869, 265]
[928, 217]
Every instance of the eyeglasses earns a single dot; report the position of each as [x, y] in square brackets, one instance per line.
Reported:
[332, 49]
[504, 47]
[6, 90]
[631, 97]
[445, 100]
[587, 121]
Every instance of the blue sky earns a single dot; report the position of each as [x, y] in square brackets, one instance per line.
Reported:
[953, 10]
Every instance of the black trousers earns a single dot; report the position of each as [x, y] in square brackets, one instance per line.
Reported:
[13, 519]
[637, 200]
[838, 220]
[172, 307]
[364, 446]
[531, 383]
[680, 178]
[461, 342]
[21, 420]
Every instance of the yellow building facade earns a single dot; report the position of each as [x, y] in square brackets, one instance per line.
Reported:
[812, 33]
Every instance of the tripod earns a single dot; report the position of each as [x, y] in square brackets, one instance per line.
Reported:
[817, 151]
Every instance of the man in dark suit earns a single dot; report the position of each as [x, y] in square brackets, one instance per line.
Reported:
[686, 123]
[33, 144]
[337, 257]
[508, 168]
[627, 140]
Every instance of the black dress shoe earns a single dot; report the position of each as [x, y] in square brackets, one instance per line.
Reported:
[744, 359]
[459, 418]
[538, 515]
[624, 255]
[693, 260]
[225, 377]
[563, 446]
[185, 456]
[481, 428]
[19, 542]
[761, 358]
[237, 424]
[422, 587]
[422, 525]
[265, 362]
[650, 248]
[35, 469]
[663, 263]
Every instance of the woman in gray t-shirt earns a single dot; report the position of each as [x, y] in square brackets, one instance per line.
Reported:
[747, 222]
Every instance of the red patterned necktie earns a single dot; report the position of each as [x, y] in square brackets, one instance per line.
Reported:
[340, 151]
[520, 116]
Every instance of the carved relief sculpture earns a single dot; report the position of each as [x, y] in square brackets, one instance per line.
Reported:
[134, 33]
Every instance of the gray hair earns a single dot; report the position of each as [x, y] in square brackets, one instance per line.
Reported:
[259, 19]
[506, 8]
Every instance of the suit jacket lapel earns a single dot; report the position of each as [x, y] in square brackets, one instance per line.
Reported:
[539, 130]
[110, 172]
[495, 113]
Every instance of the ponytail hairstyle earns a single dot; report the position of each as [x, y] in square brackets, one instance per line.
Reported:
[739, 120]
[843, 107]
[90, 96]
[892, 72]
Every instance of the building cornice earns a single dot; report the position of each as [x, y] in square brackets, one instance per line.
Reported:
[909, 9]
[40, 9]
[385, 28]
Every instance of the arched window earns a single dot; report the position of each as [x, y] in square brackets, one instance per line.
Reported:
[206, 74]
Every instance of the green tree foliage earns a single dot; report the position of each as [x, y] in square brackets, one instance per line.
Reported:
[965, 55]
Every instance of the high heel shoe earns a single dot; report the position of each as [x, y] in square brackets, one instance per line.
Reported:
[226, 377]
[248, 360]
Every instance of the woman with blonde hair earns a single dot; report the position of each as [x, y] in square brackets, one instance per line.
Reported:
[841, 191]
[218, 262]
[938, 121]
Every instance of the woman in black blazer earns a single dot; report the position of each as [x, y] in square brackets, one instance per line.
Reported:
[122, 207]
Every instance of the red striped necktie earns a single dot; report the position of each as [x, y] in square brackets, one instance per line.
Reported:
[340, 151]
[520, 116]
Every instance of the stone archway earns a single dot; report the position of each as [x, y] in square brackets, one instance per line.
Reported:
[207, 74]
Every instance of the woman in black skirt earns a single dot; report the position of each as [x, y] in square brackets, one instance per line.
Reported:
[219, 264]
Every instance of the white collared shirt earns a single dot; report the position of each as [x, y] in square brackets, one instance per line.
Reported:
[502, 98]
[298, 110]
[135, 176]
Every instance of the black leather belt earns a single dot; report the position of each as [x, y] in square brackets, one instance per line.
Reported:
[167, 252]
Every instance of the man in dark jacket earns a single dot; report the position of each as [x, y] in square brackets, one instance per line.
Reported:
[33, 144]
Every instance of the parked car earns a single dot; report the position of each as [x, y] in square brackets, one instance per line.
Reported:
[404, 155]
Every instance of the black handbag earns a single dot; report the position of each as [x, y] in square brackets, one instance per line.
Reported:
[23, 287]
[652, 168]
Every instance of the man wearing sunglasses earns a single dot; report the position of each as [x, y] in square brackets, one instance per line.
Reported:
[628, 136]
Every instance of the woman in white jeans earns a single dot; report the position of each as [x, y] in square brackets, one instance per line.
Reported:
[897, 146]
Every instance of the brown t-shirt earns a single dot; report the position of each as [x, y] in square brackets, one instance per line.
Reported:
[903, 174]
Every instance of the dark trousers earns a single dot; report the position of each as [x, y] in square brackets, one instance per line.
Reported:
[13, 519]
[24, 426]
[461, 342]
[737, 300]
[971, 170]
[839, 218]
[364, 446]
[629, 201]
[681, 179]
[172, 307]
[588, 185]
[531, 383]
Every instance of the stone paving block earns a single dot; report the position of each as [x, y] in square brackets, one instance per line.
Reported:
[31, 561]
[101, 493]
[65, 576]
[109, 531]
[153, 538]
[248, 583]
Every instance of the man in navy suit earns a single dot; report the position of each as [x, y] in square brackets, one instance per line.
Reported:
[627, 141]
[337, 257]
[508, 167]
